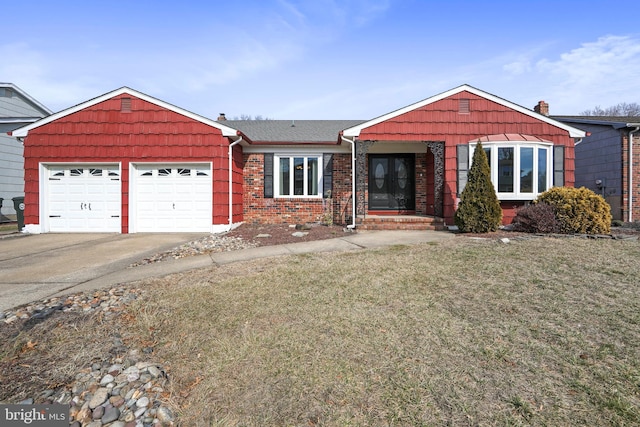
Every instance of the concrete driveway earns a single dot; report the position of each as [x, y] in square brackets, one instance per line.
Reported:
[34, 267]
[37, 266]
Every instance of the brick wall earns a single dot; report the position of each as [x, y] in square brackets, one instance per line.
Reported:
[636, 177]
[261, 210]
[342, 186]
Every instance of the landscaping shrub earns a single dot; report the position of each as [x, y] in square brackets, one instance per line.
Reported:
[536, 218]
[479, 210]
[578, 210]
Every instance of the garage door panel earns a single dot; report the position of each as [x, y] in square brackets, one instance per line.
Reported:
[84, 199]
[77, 191]
[173, 198]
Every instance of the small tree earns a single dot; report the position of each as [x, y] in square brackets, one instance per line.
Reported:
[479, 210]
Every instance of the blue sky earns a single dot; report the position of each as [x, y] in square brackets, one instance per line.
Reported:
[323, 59]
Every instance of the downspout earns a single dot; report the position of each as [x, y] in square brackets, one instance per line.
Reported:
[231, 180]
[630, 189]
[353, 181]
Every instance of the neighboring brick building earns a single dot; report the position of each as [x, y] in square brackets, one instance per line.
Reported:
[604, 159]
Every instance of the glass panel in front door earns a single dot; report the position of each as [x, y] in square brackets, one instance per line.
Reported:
[391, 182]
[379, 183]
[403, 183]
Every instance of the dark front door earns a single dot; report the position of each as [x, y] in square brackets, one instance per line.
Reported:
[392, 182]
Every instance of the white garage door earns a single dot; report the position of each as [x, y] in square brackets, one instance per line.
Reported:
[83, 198]
[173, 198]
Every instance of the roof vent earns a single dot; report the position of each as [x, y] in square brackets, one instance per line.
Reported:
[463, 106]
[125, 105]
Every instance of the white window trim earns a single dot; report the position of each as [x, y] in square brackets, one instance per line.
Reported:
[276, 176]
[517, 145]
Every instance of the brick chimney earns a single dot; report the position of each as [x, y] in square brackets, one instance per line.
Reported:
[222, 117]
[542, 108]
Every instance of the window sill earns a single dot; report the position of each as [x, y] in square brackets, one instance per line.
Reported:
[516, 197]
[298, 197]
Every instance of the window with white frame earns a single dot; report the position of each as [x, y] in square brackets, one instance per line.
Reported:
[519, 171]
[298, 175]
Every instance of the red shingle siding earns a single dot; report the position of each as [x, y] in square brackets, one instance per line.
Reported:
[150, 133]
[449, 192]
[258, 209]
[509, 209]
[441, 121]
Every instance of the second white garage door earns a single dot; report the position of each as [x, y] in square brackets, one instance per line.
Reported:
[172, 198]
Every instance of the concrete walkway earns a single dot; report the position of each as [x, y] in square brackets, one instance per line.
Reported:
[33, 267]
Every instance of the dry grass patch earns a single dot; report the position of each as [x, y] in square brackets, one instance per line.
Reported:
[37, 356]
[540, 332]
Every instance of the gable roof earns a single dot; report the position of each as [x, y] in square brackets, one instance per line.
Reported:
[292, 131]
[226, 130]
[617, 122]
[19, 107]
[355, 131]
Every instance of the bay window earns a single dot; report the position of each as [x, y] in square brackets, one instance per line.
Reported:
[519, 171]
[298, 176]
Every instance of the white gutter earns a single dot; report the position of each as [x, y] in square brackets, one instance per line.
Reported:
[630, 159]
[231, 180]
[353, 181]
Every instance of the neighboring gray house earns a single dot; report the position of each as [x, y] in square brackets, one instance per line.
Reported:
[607, 164]
[17, 109]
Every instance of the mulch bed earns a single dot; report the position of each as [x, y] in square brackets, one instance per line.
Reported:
[279, 234]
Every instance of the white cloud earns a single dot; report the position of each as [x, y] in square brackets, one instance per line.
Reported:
[604, 72]
[39, 75]
[65, 77]
[606, 58]
[365, 11]
[194, 66]
[519, 66]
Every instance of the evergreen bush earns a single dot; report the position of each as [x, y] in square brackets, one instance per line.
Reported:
[578, 210]
[479, 209]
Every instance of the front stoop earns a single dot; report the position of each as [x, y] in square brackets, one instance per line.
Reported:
[400, 222]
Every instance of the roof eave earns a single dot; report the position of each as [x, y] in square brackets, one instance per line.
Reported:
[226, 130]
[295, 143]
[19, 119]
[612, 123]
[28, 97]
[355, 131]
